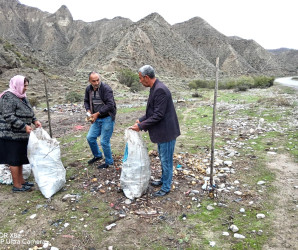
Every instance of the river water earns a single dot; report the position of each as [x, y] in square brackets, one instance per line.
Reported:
[287, 81]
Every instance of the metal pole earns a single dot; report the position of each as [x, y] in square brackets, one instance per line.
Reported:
[213, 123]
[47, 99]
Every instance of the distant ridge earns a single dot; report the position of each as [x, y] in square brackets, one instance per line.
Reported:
[187, 49]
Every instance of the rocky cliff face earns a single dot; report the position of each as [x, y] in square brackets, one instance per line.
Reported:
[237, 56]
[187, 49]
[153, 41]
[288, 58]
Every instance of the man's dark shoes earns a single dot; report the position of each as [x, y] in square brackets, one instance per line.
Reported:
[27, 183]
[95, 159]
[103, 166]
[160, 193]
[156, 183]
[22, 189]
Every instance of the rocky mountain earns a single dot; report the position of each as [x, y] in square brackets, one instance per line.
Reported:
[187, 49]
[212, 44]
[237, 56]
[153, 41]
[288, 57]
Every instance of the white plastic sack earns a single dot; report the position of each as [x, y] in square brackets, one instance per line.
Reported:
[44, 157]
[5, 174]
[135, 175]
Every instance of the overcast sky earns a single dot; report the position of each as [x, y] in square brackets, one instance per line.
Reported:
[271, 23]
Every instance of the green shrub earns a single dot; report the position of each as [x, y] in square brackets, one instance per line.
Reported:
[195, 84]
[227, 84]
[192, 85]
[241, 83]
[73, 97]
[128, 77]
[247, 81]
[263, 82]
[202, 83]
[8, 46]
[211, 84]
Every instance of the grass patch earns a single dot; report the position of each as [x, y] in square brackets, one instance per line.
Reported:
[263, 142]
[74, 147]
[237, 98]
[292, 144]
[204, 215]
[200, 116]
[215, 221]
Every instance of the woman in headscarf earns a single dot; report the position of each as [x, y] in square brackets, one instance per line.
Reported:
[16, 117]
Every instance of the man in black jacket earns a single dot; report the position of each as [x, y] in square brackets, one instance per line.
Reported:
[162, 123]
[100, 104]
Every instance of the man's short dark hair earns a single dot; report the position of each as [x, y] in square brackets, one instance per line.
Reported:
[91, 73]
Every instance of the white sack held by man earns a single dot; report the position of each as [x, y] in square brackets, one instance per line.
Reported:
[135, 175]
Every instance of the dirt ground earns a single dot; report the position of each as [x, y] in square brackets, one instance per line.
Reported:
[285, 225]
[104, 186]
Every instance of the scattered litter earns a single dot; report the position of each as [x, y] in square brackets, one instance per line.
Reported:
[261, 216]
[67, 236]
[234, 228]
[271, 153]
[32, 216]
[210, 208]
[79, 127]
[109, 227]
[212, 243]
[260, 232]
[238, 193]
[239, 236]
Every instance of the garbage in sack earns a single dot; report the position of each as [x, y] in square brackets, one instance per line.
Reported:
[135, 174]
[5, 174]
[44, 157]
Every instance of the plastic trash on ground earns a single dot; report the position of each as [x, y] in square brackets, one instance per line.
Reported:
[5, 174]
[44, 157]
[135, 175]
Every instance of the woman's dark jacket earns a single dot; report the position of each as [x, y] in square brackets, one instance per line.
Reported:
[106, 95]
[15, 114]
[160, 119]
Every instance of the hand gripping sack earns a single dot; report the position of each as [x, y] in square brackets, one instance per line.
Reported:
[44, 157]
[135, 174]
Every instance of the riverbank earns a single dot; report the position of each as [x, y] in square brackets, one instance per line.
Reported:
[288, 81]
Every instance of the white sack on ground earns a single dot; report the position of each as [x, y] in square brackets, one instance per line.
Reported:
[135, 174]
[44, 157]
[5, 174]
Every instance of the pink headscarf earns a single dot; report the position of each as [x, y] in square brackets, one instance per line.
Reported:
[16, 86]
